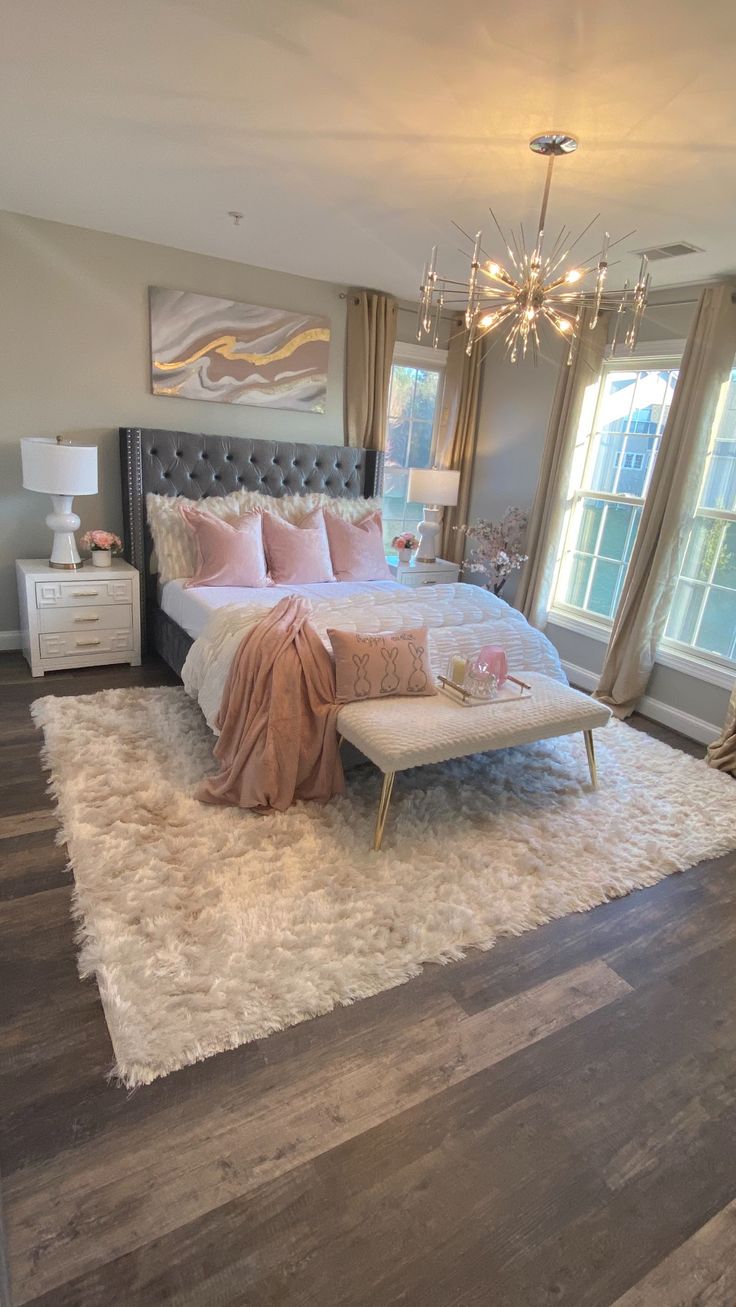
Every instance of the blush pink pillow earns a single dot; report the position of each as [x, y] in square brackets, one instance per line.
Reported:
[381, 666]
[228, 553]
[356, 548]
[297, 553]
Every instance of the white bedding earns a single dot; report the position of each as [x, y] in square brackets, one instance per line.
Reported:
[460, 618]
[192, 609]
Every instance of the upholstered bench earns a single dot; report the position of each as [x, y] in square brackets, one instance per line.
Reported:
[400, 733]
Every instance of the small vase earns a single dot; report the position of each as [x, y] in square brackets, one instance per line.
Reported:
[404, 555]
[101, 557]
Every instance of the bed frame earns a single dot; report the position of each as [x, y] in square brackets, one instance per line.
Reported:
[197, 466]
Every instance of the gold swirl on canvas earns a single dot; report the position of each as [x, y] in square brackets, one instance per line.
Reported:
[216, 349]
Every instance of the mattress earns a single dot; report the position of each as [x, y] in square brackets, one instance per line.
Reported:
[191, 609]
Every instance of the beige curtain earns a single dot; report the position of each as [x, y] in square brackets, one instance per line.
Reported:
[458, 432]
[369, 349]
[666, 517]
[577, 386]
[722, 752]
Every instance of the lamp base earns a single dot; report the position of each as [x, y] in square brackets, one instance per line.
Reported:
[63, 522]
[428, 531]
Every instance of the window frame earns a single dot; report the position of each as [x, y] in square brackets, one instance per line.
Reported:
[653, 356]
[427, 358]
[676, 652]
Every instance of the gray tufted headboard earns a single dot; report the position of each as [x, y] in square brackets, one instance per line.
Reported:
[195, 466]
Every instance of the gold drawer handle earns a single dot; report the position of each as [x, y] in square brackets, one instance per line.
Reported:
[82, 643]
[428, 582]
[87, 619]
[85, 594]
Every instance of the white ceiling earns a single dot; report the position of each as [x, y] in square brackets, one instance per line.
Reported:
[351, 132]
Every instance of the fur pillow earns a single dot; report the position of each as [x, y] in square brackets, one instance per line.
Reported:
[381, 666]
[174, 551]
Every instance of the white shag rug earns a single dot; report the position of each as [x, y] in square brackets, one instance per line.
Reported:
[207, 927]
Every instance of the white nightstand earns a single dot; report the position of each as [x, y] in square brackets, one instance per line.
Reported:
[78, 619]
[413, 573]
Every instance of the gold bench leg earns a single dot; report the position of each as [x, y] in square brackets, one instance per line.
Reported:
[383, 802]
[590, 750]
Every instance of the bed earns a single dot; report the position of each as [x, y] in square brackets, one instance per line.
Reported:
[198, 630]
[192, 466]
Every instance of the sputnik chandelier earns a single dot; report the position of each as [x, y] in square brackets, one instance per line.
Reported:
[536, 286]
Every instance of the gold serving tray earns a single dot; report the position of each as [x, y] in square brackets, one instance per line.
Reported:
[505, 694]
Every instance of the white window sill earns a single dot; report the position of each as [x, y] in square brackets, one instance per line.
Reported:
[714, 671]
[589, 627]
[700, 667]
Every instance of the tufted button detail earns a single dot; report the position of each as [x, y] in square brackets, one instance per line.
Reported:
[179, 453]
[241, 480]
[204, 455]
[154, 452]
[167, 475]
[228, 458]
[217, 476]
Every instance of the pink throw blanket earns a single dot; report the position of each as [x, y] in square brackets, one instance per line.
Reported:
[278, 718]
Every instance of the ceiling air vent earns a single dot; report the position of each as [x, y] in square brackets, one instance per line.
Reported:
[674, 251]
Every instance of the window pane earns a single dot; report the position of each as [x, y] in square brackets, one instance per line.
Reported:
[420, 446]
[717, 632]
[719, 486]
[591, 516]
[684, 612]
[702, 548]
[616, 527]
[578, 581]
[725, 573]
[603, 589]
[401, 392]
[397, 441]
[426, 394]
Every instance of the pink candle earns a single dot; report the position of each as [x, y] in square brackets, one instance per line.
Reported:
[493, 657]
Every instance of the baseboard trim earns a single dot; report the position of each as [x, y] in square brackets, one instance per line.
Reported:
[695, 728]
[9, 640]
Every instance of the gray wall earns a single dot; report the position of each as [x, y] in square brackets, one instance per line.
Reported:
[74, 359]
[515, 407]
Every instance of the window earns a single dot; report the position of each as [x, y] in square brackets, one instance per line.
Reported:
[620, 433]
[703, 614]
[414, 402]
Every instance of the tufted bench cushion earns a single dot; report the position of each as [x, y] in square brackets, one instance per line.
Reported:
[400, 733]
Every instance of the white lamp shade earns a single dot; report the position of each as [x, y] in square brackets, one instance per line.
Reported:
[433, 485]
[55, 469]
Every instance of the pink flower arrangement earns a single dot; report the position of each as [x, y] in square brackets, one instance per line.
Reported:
[405, 541]
[102, 540]
[497, 547]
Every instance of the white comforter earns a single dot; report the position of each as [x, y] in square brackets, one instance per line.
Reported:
[460, 618]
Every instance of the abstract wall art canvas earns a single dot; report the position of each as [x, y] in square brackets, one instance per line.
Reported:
[208, 348]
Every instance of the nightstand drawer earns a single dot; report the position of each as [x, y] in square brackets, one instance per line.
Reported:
[105, 618]
[416, 579]
[73, 644]
[83, 592]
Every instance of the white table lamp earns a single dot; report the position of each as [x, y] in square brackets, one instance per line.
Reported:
[61, 471]
[436, 488]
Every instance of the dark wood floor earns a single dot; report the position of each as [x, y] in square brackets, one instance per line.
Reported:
[549, 1123]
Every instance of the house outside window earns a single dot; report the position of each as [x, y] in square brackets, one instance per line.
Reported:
[414, 404]
[618, 442]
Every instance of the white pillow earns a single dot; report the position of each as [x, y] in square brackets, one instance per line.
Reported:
[175, 553]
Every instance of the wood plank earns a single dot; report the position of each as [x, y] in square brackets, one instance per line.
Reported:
[700, 1273]
[274, 1133]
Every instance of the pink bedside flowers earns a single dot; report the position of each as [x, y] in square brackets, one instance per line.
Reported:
[102, 540]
